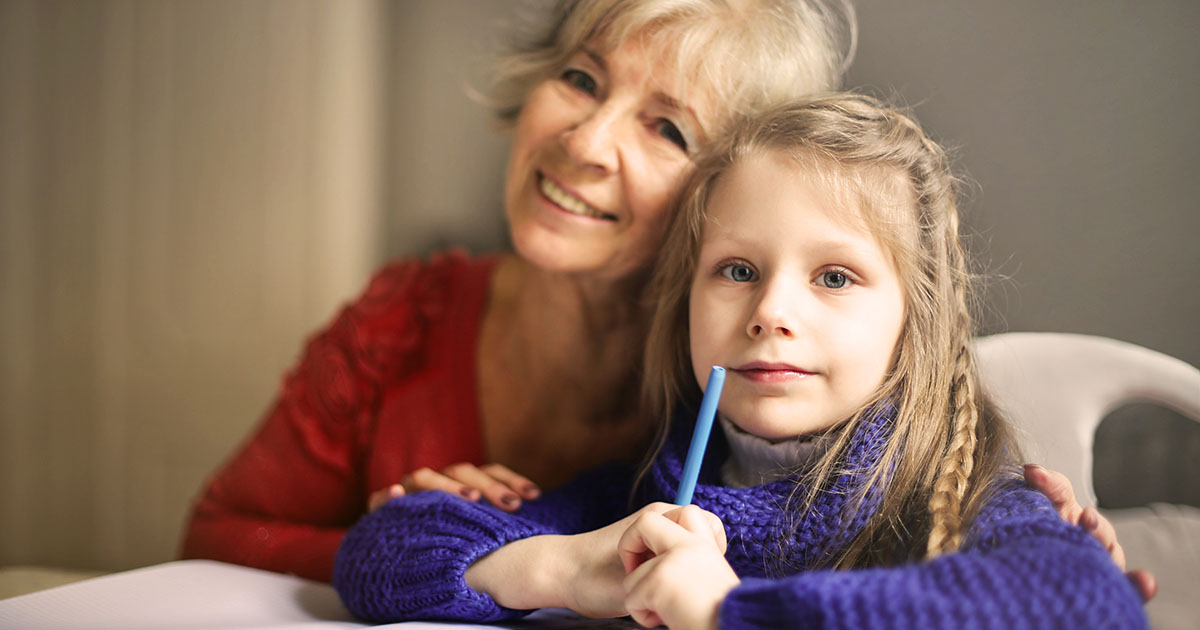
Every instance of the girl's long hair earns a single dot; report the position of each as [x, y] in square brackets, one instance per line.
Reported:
[947, 447]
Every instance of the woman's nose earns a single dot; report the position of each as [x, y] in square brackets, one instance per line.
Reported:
[593, 140]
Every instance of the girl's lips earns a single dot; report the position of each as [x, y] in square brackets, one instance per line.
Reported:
[759, 372]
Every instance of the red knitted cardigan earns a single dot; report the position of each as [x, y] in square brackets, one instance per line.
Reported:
[388, 387]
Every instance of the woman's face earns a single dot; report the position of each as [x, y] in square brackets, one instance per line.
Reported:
[598, 153]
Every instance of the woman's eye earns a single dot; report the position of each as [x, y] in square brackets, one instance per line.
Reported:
[668, 130]
[579, 80]
[833, 280]
[738, 273]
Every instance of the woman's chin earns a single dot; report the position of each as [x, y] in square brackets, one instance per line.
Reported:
[558, 253]
[602, 260]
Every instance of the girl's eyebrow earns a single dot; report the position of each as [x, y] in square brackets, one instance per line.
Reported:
[835, 247]
[862, 252]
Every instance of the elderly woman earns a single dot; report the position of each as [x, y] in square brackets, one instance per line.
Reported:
[453, 373]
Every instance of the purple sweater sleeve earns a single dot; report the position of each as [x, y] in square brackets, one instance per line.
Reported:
[407, 560]
[1021, 567]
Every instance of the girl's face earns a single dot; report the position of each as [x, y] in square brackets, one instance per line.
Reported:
[597, 157]
[794, 297]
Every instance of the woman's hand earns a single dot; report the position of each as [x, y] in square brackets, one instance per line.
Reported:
[677, 572]
[1057, 488]
[497, 483]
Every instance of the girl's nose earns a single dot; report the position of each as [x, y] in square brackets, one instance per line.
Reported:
[761, 329]
[774, 313]
[592, 142]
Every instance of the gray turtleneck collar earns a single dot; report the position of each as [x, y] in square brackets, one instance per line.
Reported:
[754, 460]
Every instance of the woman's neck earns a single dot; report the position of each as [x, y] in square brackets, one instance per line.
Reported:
[558, 369]
[560, 320]
[559, 351]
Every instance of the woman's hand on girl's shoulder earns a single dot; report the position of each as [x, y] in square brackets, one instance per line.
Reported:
[1057, 488]
[677, 574]
[495, 482]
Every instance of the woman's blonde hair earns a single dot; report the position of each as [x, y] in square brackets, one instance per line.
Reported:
[946, 445]
[746, 53]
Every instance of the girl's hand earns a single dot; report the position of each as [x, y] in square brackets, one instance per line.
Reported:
[596, 588]
[582, 572]
[1057, 488]
[678, 574]
[497, 483]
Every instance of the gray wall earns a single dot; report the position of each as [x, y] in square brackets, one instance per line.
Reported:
[1077, 121]
[444, 161]
[187, 190]
[1077, 124]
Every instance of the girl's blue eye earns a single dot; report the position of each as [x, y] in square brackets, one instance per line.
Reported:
[668, 130]
[738, 273]
[579, 80]
[833, 280]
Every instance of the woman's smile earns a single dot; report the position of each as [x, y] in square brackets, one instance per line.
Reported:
[570, 203]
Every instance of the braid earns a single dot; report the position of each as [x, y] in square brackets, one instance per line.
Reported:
[946, 503]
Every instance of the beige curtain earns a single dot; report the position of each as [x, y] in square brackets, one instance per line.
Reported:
[186, 190]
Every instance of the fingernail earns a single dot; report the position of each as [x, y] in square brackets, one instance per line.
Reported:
[510, 500]
[396, 491]
[532, 492]
[469, 493]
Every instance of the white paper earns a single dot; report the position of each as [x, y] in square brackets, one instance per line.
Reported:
[205, 594]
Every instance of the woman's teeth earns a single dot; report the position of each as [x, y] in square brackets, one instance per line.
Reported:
[565, 201]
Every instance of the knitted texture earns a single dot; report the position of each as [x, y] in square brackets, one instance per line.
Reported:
[407, 559]
[1021, 565]
[762, 540]
[378, 393]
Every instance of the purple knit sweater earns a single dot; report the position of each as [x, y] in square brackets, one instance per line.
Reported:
[1020, 567]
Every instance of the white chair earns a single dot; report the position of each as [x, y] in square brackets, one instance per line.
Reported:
[1057, 388]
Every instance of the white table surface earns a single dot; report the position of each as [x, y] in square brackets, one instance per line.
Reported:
[207, 594]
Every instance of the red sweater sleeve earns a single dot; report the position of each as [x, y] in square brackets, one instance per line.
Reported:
[285, 499]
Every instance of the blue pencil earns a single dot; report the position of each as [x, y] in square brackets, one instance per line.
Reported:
[704, 422]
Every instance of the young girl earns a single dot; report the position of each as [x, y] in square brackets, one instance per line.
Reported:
[860, 480]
